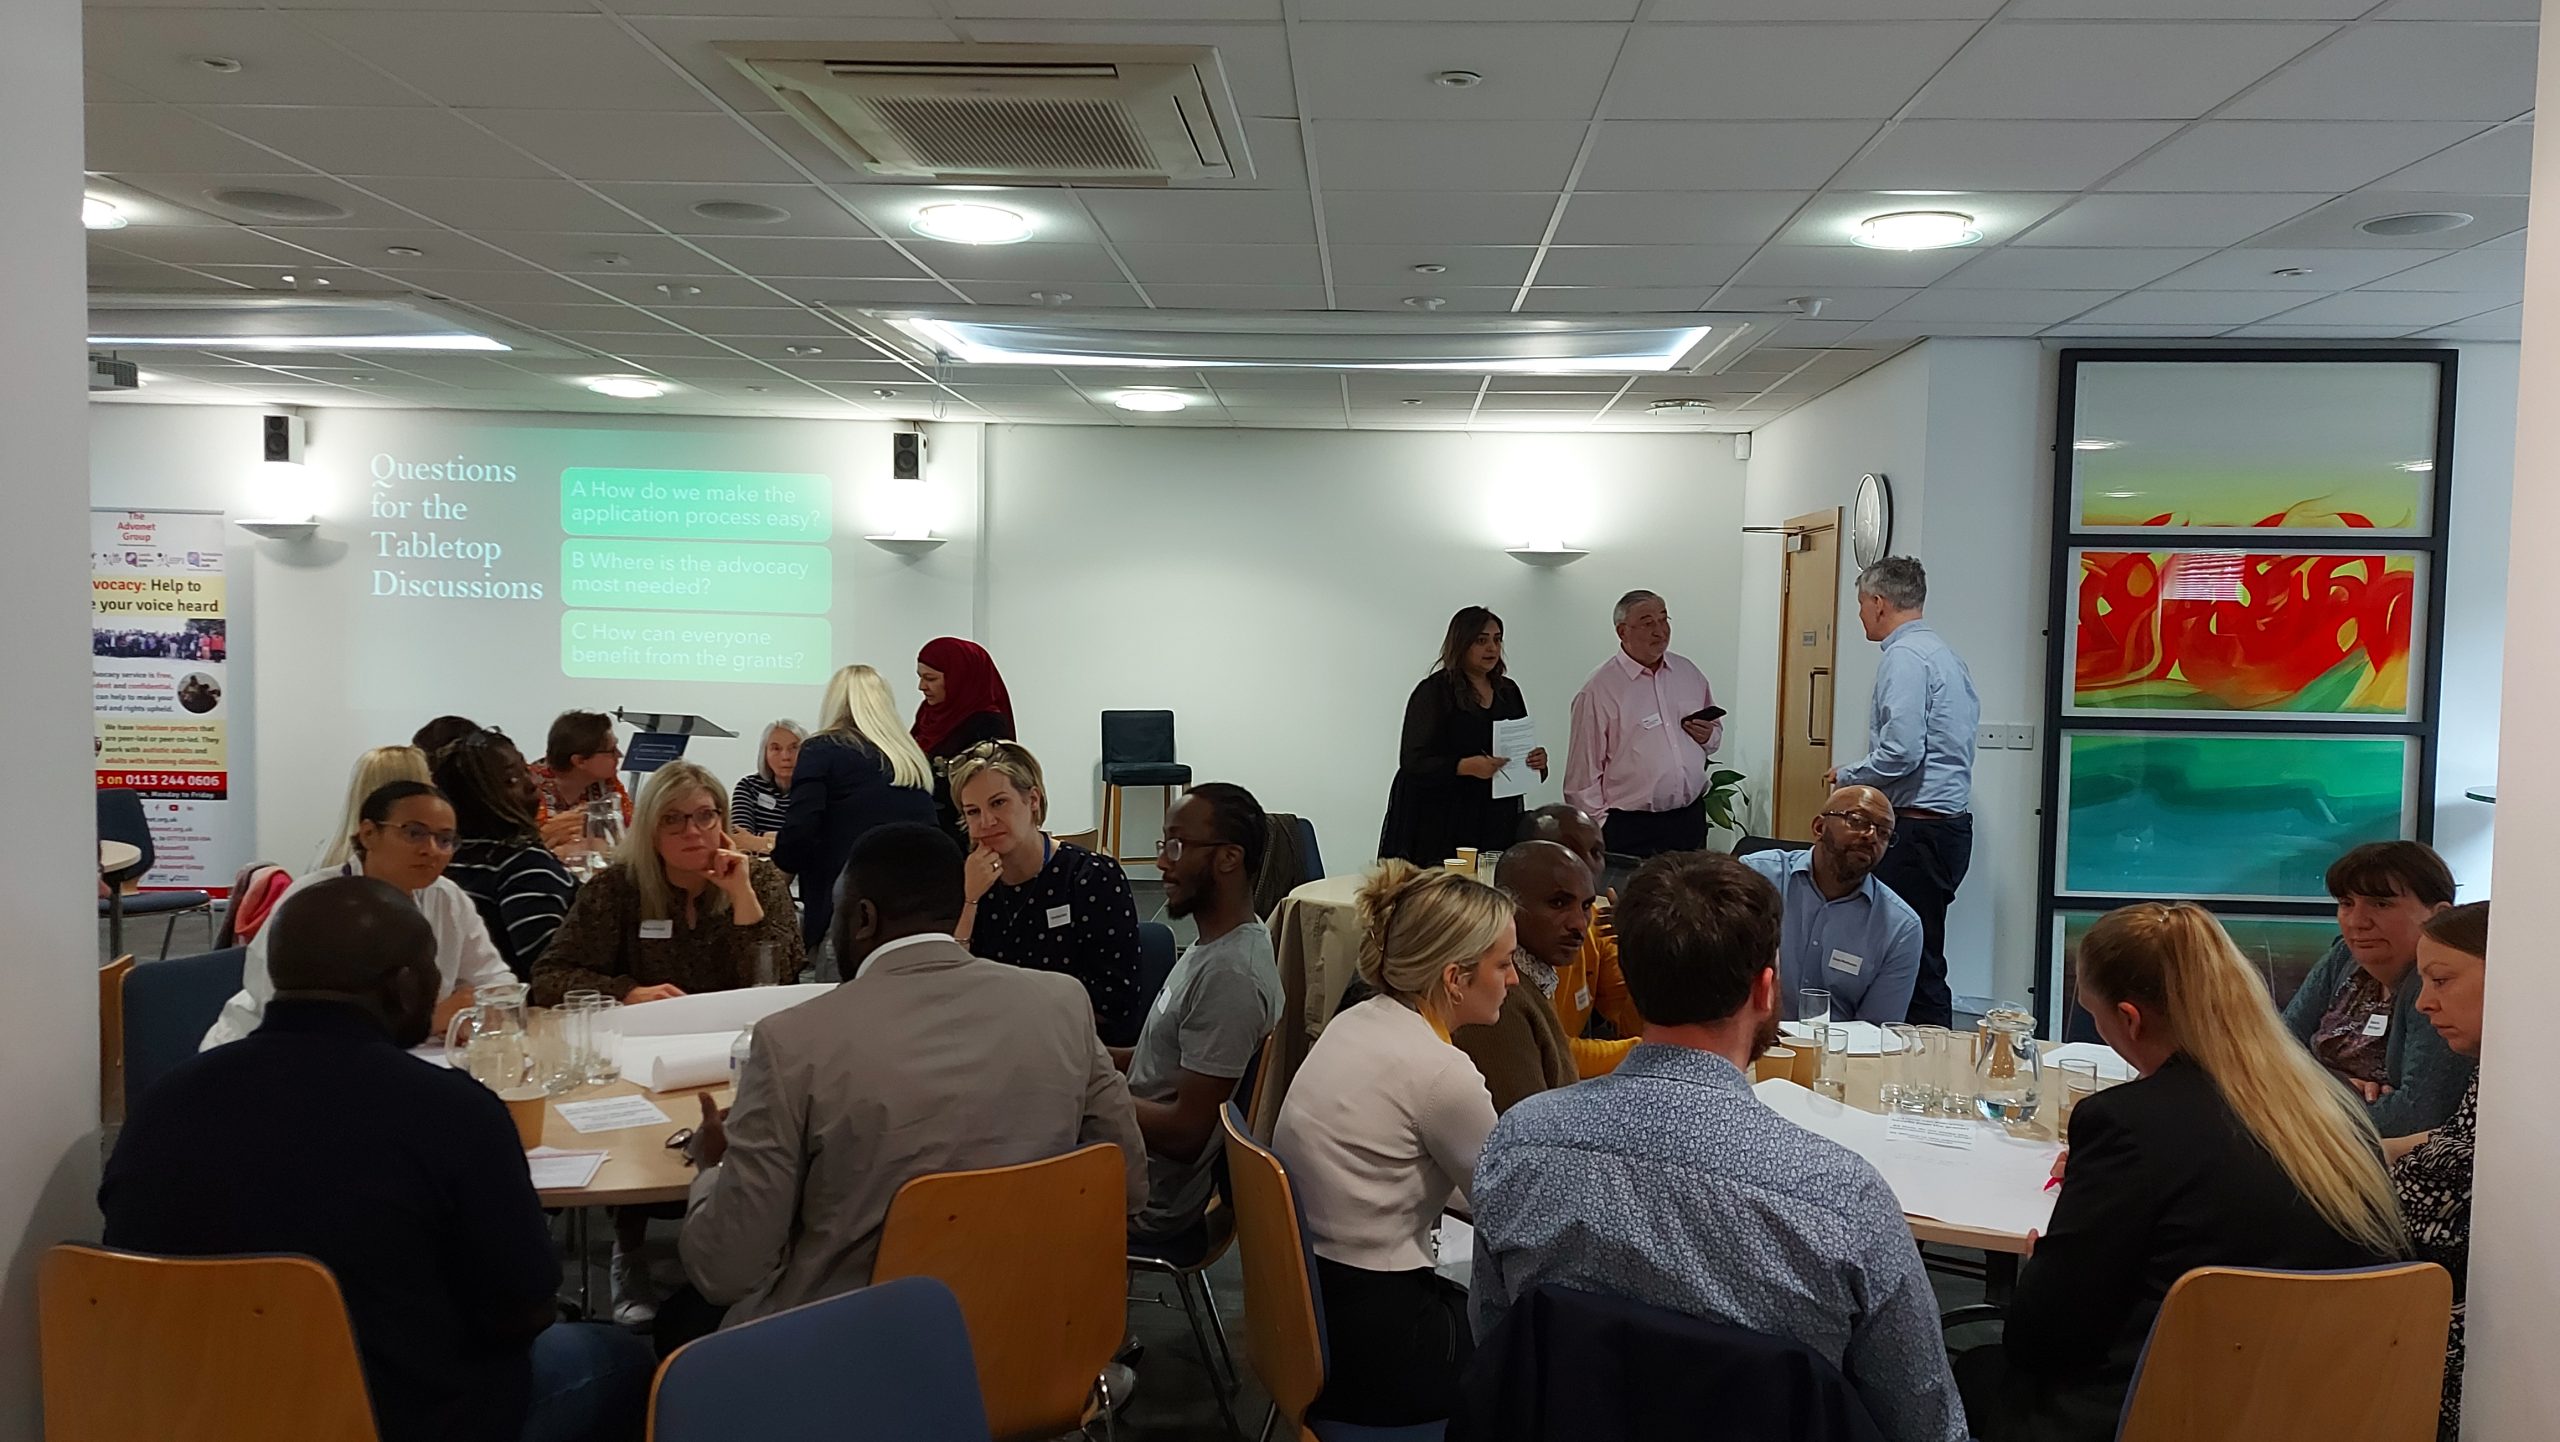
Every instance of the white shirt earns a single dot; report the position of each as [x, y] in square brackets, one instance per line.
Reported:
[1383, 1121]
[464, 954]
[919, 939]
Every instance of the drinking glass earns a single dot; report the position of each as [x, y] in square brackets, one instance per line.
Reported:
[763, 973]
[575, 1006]
[1900, 1039]
[1955, 1075]
[2079, 1080]
[1813, 1006]
[557, 1066]
[1831, 1076]
[604, 1038]
[1920, 1070]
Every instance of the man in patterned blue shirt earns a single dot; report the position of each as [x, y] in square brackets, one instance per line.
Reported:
[1667, 1182]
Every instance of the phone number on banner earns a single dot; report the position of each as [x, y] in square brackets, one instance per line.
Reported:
[214, 785]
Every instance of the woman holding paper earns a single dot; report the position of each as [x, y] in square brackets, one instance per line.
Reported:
[1443, 796]
[678, 911]
[2231, 1148]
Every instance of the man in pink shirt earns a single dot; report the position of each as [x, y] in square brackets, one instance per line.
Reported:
[1643, 727]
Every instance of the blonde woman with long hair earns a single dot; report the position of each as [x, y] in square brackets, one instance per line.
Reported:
[2232, 1148]
[1032, 900]
[858, 770]
[1384, 1120]
[373, 770]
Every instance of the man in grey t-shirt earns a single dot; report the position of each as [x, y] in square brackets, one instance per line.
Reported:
[1205, 1029]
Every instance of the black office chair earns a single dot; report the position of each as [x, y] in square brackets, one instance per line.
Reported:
[120, 818]
[1137, 752]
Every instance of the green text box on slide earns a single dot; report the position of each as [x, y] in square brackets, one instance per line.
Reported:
[691, 646]
[696, 505]
[696, 576]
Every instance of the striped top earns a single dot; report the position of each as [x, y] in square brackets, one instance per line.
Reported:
[521, 892]
[758, 805]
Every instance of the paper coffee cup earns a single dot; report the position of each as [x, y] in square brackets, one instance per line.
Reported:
[530, 1107]
[1778, 1063]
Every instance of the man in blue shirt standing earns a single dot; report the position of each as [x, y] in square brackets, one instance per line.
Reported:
[1920, 729]
[1844, 932]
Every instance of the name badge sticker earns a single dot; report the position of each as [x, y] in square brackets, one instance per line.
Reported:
[1843, 961]
[1652, 722]
[1582, 998]
[660, 930]
[2377, 1024]
[1060, 917]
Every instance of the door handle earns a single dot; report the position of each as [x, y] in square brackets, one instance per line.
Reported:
[1812, 684]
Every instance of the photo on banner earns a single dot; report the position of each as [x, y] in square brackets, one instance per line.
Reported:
[2254, 445]
[2227, 816]
[2192, 633]
[160, 657]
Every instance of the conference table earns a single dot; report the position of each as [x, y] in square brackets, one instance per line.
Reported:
[639, 1168]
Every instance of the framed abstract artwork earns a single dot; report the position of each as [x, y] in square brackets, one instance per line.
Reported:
[2248, 575]
[2219, 633]
[2283, 948]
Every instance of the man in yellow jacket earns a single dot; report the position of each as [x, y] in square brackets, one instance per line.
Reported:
[1591, 983]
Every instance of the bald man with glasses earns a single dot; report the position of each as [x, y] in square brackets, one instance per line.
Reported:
[1844, 931]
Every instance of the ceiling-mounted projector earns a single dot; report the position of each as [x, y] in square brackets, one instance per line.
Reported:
[106, 373]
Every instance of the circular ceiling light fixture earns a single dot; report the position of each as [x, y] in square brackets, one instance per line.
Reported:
[741, 212]
[626, 388]
[2290, 272]
[1051, 297]
[1427, 268]
[673, 291]
[1917, 230]
[99, 214]
[884, 393]
[1151, 401]
[969, 223]
[1457, 79]
[1679, 406]
[219, 64]
[1425, 302]
[405, 252]
[2416, 222]
[804, 350]
[278, 204]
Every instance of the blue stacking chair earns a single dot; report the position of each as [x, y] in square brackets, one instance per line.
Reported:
[168, 1007]
[888, 1363]
[120, 819]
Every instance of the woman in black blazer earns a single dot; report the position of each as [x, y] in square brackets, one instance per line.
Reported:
[859, 770]
[2232, 1149]
[1442, 797]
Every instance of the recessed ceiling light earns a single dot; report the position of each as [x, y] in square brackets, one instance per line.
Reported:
[970, 223]
[627, 388]
[884, 393]
[804, 350]
[278, 204]
[1430, 269]
[405, 252]
[758, 390]
[678, 292]
[1425, 302]
[99, 214]
[1410, 401]
[1917, 230]
[219, 64]
[2416, 222]
[741, 212]
[609, 257]
[2093, 443]
[359, 380]
[1458, 79]
[1051, 297]
[1678, 405]
[1150, 400]
[286, 279]
[2290, 272]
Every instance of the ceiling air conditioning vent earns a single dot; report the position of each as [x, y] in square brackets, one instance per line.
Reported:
[1138, 115]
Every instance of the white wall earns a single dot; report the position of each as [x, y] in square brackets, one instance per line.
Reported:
[1282, 591]
[332, 669]
[1964, 429]
[49, 1063]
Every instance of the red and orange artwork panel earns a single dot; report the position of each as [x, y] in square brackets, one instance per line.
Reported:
[2219, 632]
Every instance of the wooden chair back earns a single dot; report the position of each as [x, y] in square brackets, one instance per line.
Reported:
[1283, 1338]
[1038, 1256]
[2239, 1355]
[224, 1349]
[111, 1039]
[1081, 840]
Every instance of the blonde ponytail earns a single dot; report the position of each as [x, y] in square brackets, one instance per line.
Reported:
[1414, 924]
[2176, 962]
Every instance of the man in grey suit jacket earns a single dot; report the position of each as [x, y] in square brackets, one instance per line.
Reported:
[926, 1059]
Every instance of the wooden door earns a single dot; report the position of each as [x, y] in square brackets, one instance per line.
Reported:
[1808, 641]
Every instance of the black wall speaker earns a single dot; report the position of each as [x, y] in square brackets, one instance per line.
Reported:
[906, 456]
[280, 438]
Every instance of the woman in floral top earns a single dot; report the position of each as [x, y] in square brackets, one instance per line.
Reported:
[2432, 1170]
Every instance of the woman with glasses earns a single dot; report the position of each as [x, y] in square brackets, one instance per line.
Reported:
[404, 835]
[1033, 902]
[679, 910]
[521, 889]
[1442, 797]
[373, 770]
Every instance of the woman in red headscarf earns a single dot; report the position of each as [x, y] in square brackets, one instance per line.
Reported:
[964, 703]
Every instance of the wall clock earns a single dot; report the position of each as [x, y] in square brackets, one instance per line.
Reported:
[1871, 521]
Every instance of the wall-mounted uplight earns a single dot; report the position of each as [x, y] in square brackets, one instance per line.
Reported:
[626, 388]
[1151, 401]
[99, 214]
[1917, 230]
[971, 223]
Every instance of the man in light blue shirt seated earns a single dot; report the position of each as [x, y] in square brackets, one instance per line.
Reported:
[1668, 1182]
[1845, 931]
